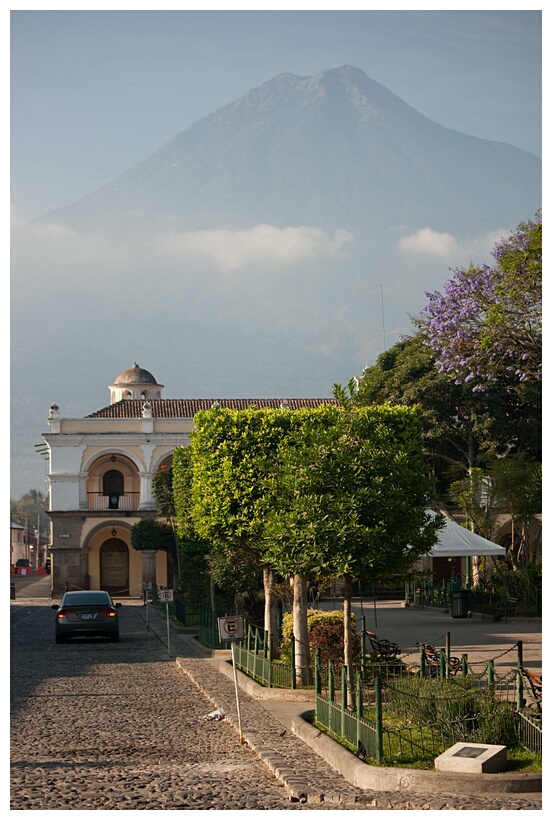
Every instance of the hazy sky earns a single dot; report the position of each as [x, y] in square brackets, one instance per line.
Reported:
[95, 92]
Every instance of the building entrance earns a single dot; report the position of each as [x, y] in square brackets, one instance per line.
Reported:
[114, 566]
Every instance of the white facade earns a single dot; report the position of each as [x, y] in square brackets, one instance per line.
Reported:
[101, 472]
[100, 477]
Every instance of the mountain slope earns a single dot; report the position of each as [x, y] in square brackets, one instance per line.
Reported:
[336, 150]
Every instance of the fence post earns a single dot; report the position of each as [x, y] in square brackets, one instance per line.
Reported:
[331, 684]
[343, 698]
[379, 720]
[520, 654]
[464, 665]
[442, 664]
[256, 651]
[363, 641]
[422, 661]
[317, 673]
[293, 679]
[519, 690]
[447, 651]
[360, 708]
[269, 661]
[490, 674]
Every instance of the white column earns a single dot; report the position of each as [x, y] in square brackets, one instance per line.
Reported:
[147, 501]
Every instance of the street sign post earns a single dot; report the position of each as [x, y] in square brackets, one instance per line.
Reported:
[146, 589]
[167, 595]
[231, 628]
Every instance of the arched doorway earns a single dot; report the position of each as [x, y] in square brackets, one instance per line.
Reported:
[114, 566]
[113, 486]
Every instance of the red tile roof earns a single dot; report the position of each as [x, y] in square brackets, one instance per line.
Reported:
[187, 408]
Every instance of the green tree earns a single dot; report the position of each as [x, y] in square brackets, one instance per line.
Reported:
[31, 510]
[462, 430]
[517, 482]
[475, 495]
[150, 534]
[232, 454]
[195, 579]
[353, 495]
[163, 494]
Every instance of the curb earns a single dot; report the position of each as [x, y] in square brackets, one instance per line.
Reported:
[364, 776]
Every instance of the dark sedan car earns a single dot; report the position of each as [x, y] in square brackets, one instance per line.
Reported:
[86, 613]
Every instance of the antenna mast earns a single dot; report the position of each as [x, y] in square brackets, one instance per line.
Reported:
[382, 318]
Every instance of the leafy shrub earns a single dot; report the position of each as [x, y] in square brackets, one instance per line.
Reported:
[325, 633]
[458, 711]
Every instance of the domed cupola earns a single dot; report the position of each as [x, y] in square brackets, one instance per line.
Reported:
[135, 383]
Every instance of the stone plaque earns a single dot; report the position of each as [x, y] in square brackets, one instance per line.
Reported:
[469, 751]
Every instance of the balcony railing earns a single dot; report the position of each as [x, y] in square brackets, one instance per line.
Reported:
[114, 501]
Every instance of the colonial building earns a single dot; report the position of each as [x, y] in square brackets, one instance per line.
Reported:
[100, 474]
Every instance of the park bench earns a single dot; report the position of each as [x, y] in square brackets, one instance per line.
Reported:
[506, 608]
[534, 682]
[432, 658]
[382, 647]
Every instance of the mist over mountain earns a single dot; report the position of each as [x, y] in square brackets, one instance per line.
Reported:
[273, 249]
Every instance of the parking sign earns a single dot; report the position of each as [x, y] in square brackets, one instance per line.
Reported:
[166, 595]
[230, 628]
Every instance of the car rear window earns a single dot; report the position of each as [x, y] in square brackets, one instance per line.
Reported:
[85, 598]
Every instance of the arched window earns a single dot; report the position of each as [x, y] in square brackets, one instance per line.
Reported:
[113, 486]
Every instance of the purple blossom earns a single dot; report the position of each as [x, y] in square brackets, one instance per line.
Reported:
[488, 319]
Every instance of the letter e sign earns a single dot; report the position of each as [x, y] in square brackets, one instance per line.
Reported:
[230, 628]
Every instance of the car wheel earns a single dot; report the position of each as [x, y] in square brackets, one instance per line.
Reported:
[59, 639]
[115, 638]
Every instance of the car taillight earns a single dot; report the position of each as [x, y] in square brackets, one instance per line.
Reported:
[63, 613]
[108, 611]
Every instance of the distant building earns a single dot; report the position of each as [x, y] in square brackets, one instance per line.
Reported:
[100, 474]
[18, 545]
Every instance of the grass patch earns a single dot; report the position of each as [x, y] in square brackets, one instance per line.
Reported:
[519, 760]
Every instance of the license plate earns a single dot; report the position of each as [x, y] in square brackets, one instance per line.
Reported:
[87, 616]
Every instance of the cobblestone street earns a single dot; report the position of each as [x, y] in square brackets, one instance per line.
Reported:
[111, 726]
[97, 725]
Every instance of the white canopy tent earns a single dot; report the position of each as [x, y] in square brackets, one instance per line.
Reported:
[456, 541]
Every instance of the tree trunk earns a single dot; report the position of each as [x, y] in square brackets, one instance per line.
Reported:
[271, 609]
[348, 640]
[300, 631]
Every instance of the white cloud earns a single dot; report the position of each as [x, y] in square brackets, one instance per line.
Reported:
[42, 230]
[427, 242]
[476, 250]
[262, 244]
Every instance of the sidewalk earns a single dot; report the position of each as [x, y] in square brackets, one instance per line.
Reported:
[272, 725]
[481, 638]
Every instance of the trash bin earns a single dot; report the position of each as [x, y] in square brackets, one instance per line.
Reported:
[459, 603]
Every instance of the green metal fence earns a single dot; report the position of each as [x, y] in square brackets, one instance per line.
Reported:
[375, 732]
[255, 656]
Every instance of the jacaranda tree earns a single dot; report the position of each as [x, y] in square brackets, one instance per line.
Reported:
[487, 322]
